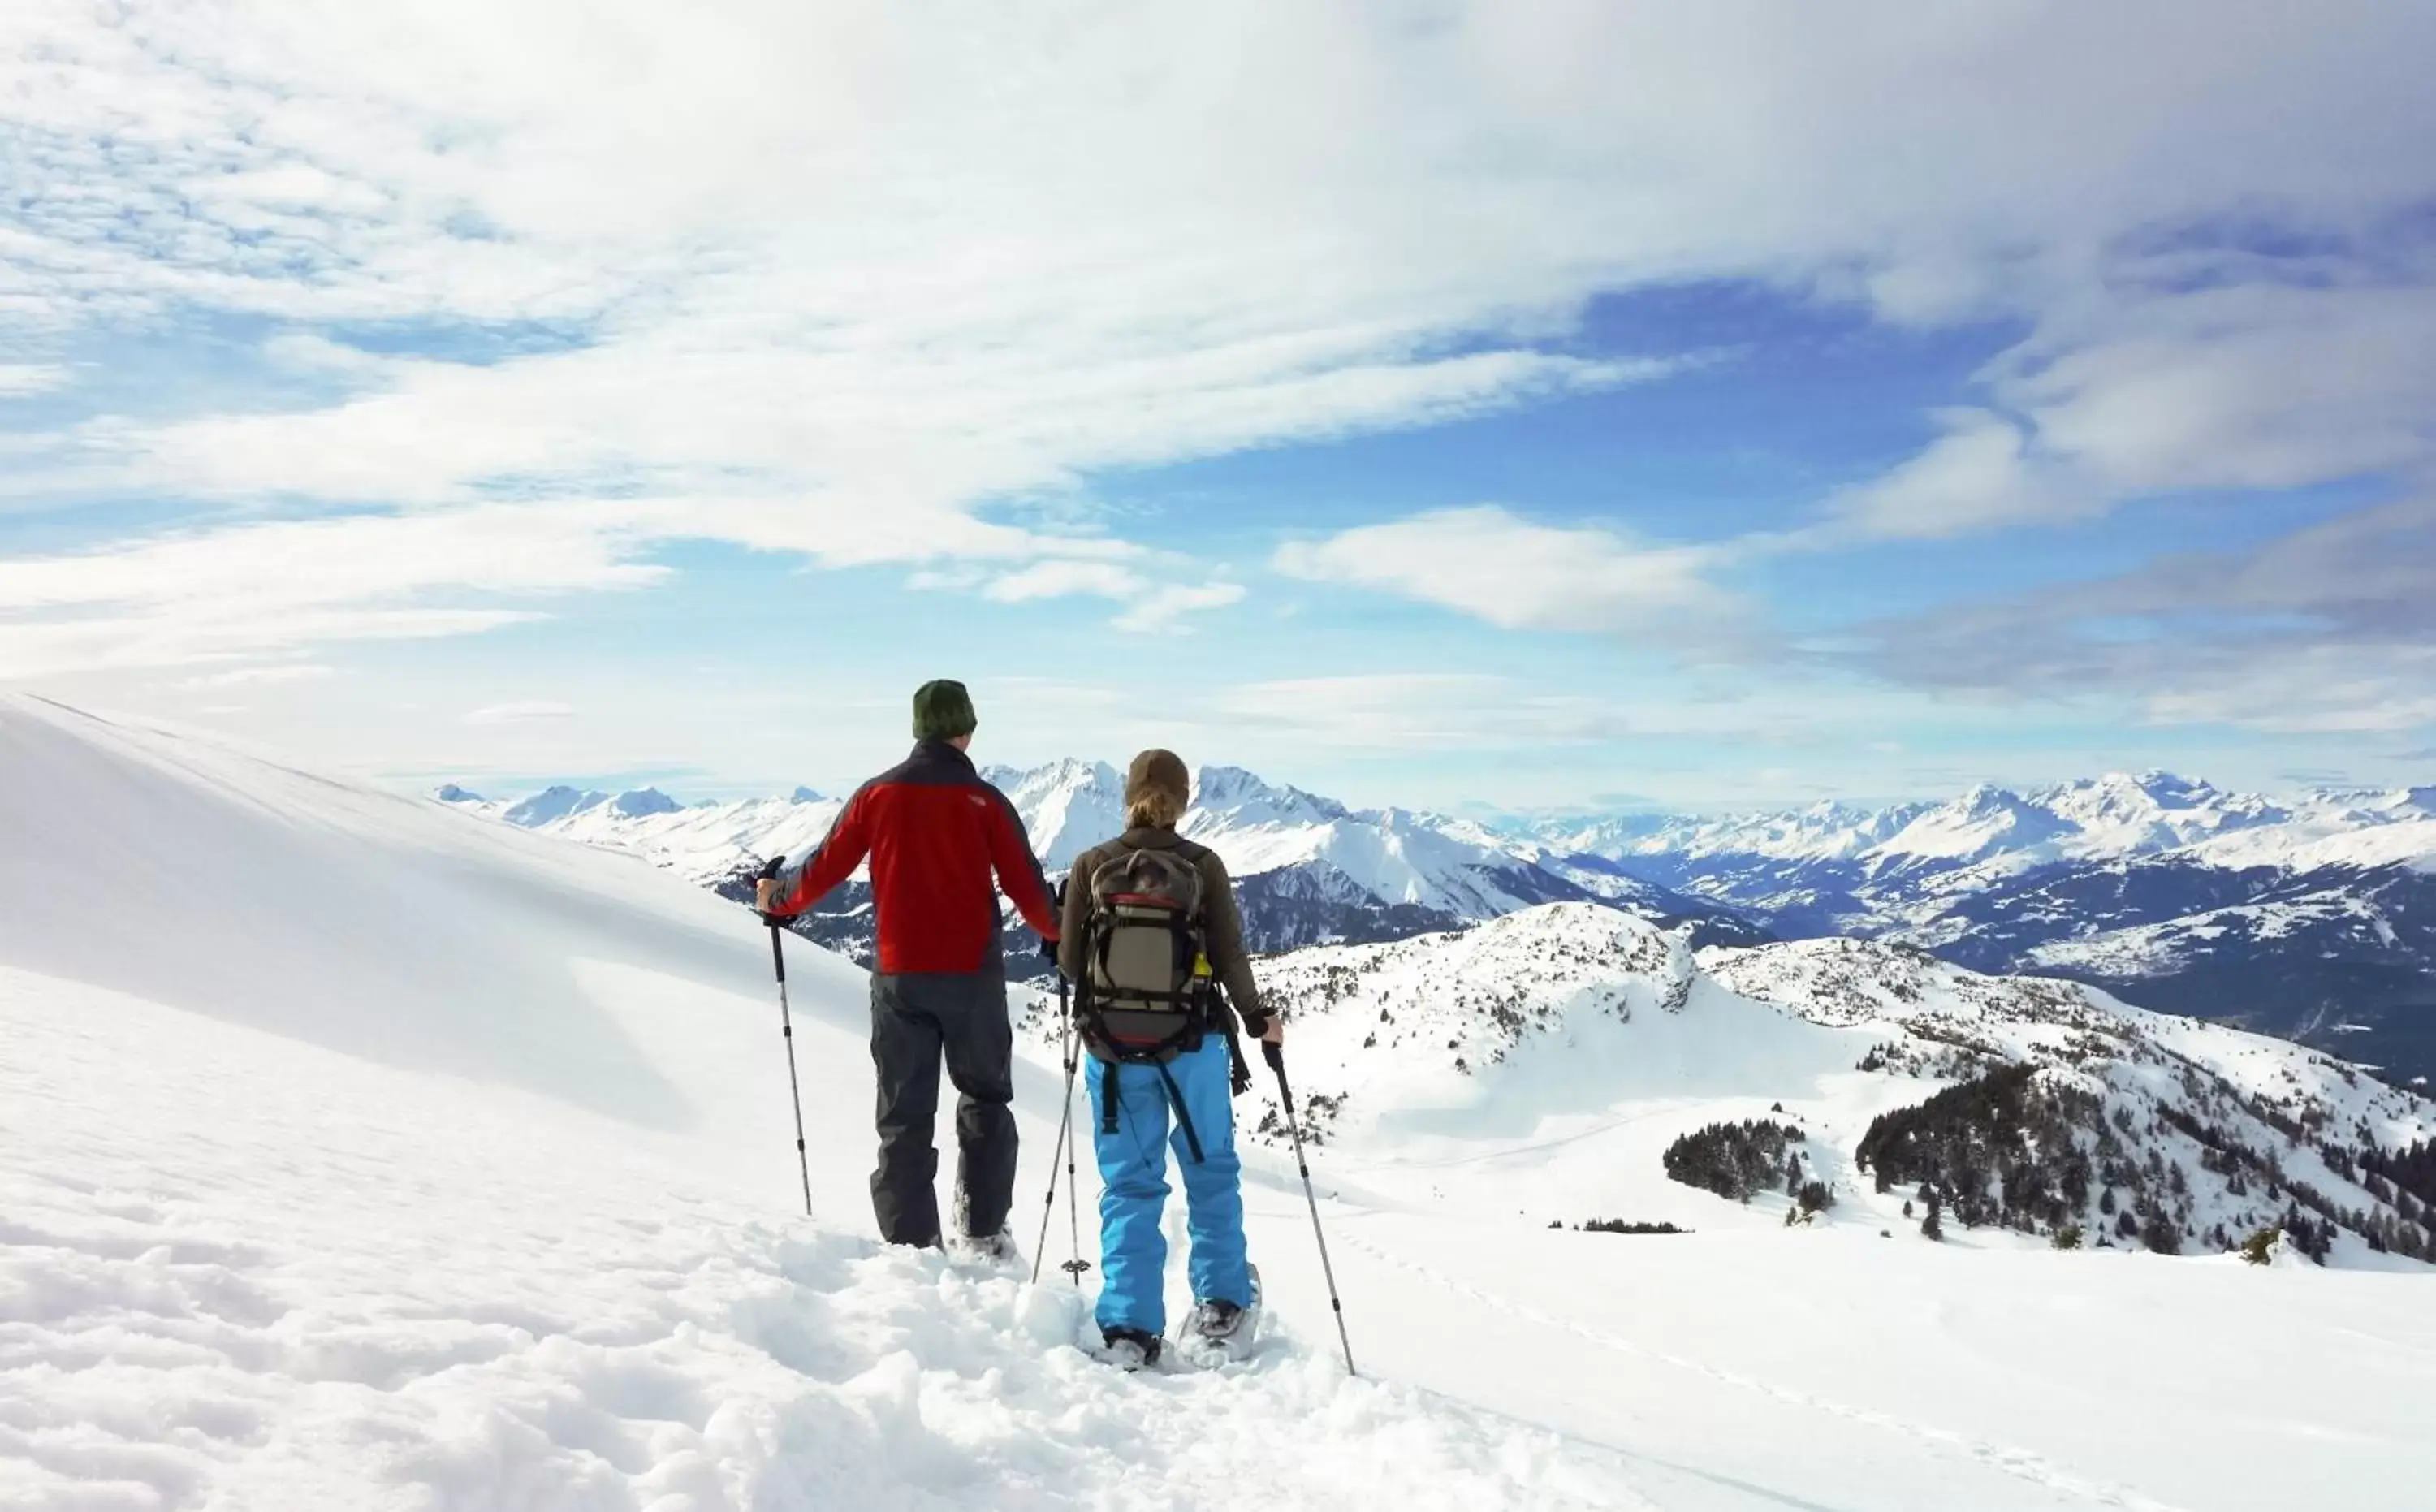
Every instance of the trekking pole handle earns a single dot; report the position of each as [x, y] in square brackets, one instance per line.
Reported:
[1274, 1054]
[778, 951]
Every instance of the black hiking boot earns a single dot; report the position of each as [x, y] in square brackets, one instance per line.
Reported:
[985, 1249]
[1130, 1348]
[1216, 1322]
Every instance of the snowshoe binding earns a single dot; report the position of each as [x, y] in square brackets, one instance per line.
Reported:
[990, 1251]
[1130, 1349]
[1220, 1332]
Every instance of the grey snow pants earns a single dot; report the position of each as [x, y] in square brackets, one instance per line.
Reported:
[916, 1019]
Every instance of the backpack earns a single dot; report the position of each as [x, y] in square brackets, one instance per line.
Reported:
[1145, 983]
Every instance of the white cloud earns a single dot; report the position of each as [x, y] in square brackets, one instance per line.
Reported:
[1978, 476]
[1490, 564]
[841, 275]
[1161, 607]
[523, 713]
[1151, 605]
[1381, 711]
[256, 676]
[21, 379]
[2329, 628]
[1060, 578]
[2240, 388]
[1472, 711]
[270, 587]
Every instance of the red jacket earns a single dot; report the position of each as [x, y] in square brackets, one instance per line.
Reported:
[936, 834]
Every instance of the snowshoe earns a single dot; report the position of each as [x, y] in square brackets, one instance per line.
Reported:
[994, 1251]
[1217, 1333]
[1130, 1349]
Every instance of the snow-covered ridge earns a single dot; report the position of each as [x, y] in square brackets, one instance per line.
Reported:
[1555, 1021]
[2116, 816]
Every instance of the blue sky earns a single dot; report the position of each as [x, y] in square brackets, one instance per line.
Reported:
[1538, 405]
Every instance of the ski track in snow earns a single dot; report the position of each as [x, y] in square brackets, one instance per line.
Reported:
[221, 1287]
[2009, 1459]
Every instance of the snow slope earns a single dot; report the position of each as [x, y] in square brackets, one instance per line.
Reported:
[1548, 1058]
[391, 1159]
[357, 1153]
[2160, 1075]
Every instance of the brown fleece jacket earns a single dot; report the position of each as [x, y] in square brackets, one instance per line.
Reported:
[1223, 928]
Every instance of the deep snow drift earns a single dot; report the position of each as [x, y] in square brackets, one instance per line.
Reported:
[359, 1153]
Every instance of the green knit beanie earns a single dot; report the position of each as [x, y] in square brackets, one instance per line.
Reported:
[942, 711]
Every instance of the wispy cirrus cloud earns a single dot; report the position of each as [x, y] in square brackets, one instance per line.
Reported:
[2258, 388]
[21, 379]
[525, 712]
[2330, 628]
[1495, 566]
[280, 586]
[258, 676]
[1152, 601]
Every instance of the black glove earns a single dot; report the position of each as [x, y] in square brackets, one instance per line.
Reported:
[770, 870]
[1047, 945]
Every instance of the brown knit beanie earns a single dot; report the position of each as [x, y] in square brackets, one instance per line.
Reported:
[1157, 790]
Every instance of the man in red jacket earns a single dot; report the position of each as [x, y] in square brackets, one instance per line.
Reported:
[941, 842]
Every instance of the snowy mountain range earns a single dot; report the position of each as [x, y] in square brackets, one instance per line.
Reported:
[2312, 917]
[1308, 868]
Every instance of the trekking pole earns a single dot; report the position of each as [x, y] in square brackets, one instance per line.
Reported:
[1064, 1149]
[794, 1088]
[1274, 1054]
[1075, 1263]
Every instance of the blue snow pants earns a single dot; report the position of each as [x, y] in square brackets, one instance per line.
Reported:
[1132, 1173]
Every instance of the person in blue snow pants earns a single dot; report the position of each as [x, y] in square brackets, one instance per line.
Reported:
[1132, 1173]
[1143, 1110]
